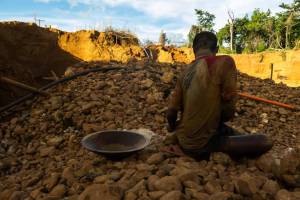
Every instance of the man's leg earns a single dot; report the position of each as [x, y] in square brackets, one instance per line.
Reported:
[230, 141]
[246, 145]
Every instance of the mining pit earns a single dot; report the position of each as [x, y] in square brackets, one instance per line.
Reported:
[41, 156]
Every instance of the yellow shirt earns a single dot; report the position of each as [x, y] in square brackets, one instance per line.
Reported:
[205, 93]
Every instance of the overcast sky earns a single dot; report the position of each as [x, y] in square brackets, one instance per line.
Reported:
[144, 17]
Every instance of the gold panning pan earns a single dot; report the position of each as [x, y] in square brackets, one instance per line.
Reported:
[115, 142]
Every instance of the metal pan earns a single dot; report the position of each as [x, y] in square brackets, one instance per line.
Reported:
[115, 142]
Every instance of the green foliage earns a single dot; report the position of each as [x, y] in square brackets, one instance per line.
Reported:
[205, 19]
[205, 22]
[193, 32]
[225, 50]
[262, 30]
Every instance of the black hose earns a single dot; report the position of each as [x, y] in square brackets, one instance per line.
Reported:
[31, 95]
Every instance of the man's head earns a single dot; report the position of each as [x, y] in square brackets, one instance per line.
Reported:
[205, 41]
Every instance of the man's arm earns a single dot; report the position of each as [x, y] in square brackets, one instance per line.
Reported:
[175, 105]
[228, 89]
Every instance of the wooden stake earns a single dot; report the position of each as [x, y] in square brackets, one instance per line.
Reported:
[23, 86]
[54, 75]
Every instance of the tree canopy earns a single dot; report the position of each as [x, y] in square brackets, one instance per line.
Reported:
[256, 32]
[205, 22]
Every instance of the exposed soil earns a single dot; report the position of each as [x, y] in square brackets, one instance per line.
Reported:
[29, 53]
[41, 156]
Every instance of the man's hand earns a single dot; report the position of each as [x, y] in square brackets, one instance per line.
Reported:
[172, 118]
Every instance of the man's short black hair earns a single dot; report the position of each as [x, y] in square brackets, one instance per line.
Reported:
[205, 40]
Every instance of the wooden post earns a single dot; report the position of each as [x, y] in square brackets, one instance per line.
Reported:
[272, 69]
[23, 86]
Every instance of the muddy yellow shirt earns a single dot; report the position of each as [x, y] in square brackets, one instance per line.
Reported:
[205, 93]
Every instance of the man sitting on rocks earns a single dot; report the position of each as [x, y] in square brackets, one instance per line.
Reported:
[205, 94]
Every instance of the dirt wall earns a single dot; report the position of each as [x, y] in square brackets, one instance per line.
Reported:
[172, 54]
[286, 66]
[101, 46]
[27, 54]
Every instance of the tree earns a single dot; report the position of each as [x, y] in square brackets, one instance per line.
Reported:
[205, 19]
[262, 30]
[239, 35]
[291, 20]
[205, 22]
[257, 39]
[162, 38]
[231, 22]
[193, 32]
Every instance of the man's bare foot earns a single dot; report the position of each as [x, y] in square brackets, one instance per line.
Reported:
[175, 150]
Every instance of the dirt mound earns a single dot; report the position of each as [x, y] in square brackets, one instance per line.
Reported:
[171, 54]
[41, 156]
[102, 46]
[27, 54]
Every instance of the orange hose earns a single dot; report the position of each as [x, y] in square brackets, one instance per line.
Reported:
[276, 103]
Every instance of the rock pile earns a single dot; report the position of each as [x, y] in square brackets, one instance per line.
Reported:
[41, 156]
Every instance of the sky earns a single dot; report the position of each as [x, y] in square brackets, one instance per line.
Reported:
[146, 18]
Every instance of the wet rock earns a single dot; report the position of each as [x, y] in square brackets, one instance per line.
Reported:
[283, 111]
[147, 83]
[58, 191]
[246, 185]
[55, 141]
[220, 158]
[46, 151]
[151, 182]
[174, 195]
[193, 185]
[68, 174]
[271, 187]
[55, 102]
[5, 164]
[221, 196]
[90, 128]
[288, 167]
[167, 77]
[265, 163]
[51, 181]
[35, 193]
[191, 193]
[296, 195]
[140, 186]
[189, 176]
[20, 130]
[100, 191]
[88, 106]
[283, 195]
[18, 195]
[101, 179]
[5, 194]
[156, 194]
[155, 159]
[228, 186]
[31, 181]
[130, 196]
[168, 183]
[212, 187]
